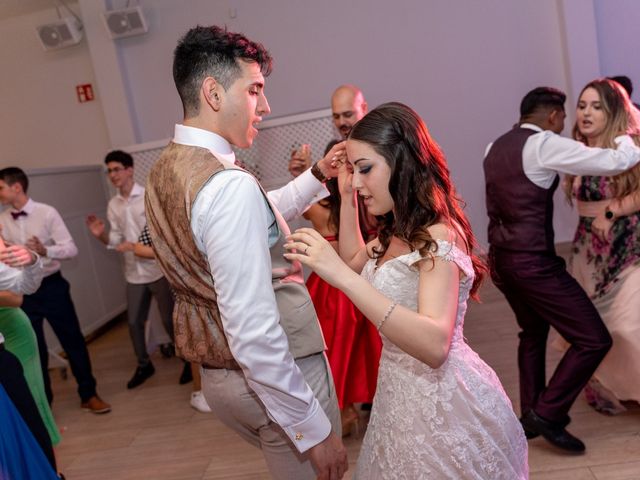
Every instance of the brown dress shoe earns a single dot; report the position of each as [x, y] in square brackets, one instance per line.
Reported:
[96, 405]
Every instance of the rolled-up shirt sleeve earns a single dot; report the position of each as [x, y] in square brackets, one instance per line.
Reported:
[565, 155]
[230, 222]
[116, 236]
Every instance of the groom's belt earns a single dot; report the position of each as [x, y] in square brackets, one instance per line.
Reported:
[211, 367]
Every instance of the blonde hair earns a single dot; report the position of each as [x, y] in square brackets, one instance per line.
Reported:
[622, 117]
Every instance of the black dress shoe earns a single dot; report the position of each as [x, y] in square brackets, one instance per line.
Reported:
[528, 433]
[186, 376]
[554, 433]
[141, 375]
[167, 350]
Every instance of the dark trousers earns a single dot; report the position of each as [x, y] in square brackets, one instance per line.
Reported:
[53, 302]
[14, 383]
[138, 303]
[542, 294]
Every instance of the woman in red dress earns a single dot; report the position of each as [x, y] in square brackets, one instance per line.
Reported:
[353, 344]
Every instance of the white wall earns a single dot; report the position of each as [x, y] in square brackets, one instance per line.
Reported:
[42, 123]
[459, 64]
[463, 65]
[617, 24]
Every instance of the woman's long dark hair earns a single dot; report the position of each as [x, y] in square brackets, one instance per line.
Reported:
[420, 185]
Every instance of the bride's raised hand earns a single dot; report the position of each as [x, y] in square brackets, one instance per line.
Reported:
[309, 247]
[345, 179]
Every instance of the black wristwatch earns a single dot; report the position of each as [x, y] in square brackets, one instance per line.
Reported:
[316, 172]
[608, 214]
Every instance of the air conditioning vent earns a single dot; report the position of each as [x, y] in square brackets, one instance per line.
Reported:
[63, 33]
[125, 22]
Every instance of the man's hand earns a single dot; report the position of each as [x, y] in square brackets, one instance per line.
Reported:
[16, 255]
[300, 160]
[125, 247]
[36, 245]
[98, 228]
[336, 157]
[329, 458]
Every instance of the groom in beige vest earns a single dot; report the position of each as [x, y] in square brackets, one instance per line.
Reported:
[242, 311]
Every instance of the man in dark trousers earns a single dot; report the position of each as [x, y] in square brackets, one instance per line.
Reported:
[41, 228]
[521, 171]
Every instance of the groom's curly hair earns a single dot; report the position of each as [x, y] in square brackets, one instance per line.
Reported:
[212, 52]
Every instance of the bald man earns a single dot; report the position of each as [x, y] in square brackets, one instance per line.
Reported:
[348, 106]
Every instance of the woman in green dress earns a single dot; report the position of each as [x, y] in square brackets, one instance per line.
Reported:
[20, 339]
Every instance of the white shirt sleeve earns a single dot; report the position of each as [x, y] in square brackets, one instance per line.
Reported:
[230, 223]
[24, 280]
[63, 245]
[116, 235]
[545, 154]
[295, 197]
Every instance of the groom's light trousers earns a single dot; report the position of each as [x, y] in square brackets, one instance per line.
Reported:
[237, 406]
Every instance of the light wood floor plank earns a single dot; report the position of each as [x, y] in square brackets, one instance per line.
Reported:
[153, 433]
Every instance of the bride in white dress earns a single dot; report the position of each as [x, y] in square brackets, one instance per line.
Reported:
[439, 412]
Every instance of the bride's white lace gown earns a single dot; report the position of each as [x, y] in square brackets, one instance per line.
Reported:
[454, 422]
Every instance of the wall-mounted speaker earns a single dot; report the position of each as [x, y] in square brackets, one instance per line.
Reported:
[125, 22]
[63, 33]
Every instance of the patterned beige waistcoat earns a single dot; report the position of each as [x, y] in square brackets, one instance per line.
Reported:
[172, 186]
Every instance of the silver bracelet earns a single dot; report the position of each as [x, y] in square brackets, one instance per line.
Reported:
[387, 314]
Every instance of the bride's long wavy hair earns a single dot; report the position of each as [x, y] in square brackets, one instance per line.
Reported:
[420, 184]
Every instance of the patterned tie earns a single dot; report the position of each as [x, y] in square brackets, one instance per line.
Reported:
[15, 215]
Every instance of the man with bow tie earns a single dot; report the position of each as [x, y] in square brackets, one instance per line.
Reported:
[41, 228]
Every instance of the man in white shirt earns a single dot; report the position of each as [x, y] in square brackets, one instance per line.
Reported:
[219, 242]
[40, 228]
[144, 279]
[521, 172]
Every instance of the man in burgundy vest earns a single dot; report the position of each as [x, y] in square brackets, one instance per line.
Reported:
[521, 171]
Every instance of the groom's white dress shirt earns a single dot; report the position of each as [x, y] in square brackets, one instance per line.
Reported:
[234, 228]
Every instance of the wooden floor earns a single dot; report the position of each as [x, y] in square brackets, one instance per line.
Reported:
[152, 433]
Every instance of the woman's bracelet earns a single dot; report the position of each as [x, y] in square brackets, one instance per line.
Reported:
[387, 314]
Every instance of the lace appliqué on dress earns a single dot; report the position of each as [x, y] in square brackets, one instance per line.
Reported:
[454, 422]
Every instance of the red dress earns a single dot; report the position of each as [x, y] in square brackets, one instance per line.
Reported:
[353, 343]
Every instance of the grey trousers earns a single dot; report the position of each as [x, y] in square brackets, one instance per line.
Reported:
[237, 406]
[138, 303]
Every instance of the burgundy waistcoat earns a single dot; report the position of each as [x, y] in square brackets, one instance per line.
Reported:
[520, 212]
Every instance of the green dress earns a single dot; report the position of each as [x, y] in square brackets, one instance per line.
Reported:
[20, 339]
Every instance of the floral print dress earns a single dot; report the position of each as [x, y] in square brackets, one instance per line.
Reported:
[609, 271]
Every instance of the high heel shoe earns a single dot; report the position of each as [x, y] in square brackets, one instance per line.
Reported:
[350, 422]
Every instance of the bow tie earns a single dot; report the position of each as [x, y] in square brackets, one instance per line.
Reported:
[15, 215]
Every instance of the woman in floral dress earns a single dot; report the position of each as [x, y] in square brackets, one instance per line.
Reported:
[606, 247]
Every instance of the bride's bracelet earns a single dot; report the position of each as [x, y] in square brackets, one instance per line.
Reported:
[387, 314]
